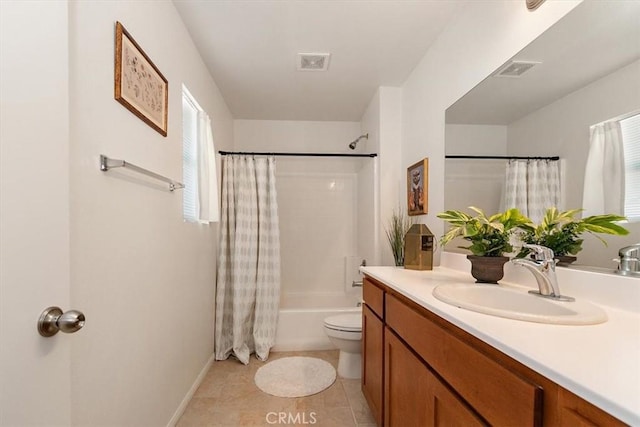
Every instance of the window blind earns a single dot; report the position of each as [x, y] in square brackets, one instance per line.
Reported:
[631, 142]
[189, 158]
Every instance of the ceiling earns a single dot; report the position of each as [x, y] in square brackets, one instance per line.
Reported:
[593, 40]
[250, 48]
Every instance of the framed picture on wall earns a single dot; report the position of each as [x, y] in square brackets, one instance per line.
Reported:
[139, 85]
[418, 188]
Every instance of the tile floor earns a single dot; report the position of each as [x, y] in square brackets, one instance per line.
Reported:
[229, 397]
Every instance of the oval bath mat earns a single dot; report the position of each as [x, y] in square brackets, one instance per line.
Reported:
[295, 376]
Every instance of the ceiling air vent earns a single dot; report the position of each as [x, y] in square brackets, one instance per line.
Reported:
[515, 68]
[313, 61]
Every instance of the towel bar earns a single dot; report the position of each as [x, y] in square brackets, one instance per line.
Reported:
[107, 163]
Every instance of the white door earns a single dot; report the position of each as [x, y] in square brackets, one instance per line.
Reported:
[34, 211]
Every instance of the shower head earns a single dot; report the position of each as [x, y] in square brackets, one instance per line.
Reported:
[353, 144]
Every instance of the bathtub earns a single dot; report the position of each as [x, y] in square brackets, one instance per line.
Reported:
[301, 319]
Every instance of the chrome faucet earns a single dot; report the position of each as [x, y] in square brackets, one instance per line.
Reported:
[543, 267]
[629, 260]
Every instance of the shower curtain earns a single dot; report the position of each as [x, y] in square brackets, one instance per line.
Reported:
[248, 288]
[532, 186]
[604, 173]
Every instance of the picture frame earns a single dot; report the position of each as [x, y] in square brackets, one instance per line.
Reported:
[418, 188]
[139, 85]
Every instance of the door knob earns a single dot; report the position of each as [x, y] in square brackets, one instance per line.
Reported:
[53, 320]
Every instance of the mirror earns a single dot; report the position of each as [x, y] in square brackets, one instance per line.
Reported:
[583, 70]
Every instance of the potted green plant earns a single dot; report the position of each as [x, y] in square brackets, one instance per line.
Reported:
[489, 236]
[396, 229]
[561, 231]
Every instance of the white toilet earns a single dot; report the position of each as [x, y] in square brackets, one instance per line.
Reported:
[345, 332]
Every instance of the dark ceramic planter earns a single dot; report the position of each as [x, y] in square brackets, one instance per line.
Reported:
[487, 269]
[565, 260]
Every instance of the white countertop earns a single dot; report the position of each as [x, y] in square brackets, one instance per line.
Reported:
[600, 363]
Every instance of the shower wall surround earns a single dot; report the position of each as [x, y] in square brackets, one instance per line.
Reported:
[317, 230]
[319, 200]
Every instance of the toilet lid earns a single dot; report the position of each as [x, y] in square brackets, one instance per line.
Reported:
[345, 322]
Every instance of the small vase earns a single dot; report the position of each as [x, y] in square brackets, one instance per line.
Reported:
[487, 269]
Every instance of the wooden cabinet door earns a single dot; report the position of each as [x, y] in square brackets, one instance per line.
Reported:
[406, 385]
[414, 396]
[372, 367]
[576, 412]
[445, 409]
[501, 396]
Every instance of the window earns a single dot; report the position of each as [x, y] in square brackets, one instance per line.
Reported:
[631, 142]
[189, 157]
[200, 196]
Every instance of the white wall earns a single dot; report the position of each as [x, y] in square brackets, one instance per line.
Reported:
[144, 278]
[369, 234]
[300, 136]
[476, 140]
[481, 38]
[383, 121]
[562, 128]
[318, 199]
[391, 174]
[367, 239]
[470, 182]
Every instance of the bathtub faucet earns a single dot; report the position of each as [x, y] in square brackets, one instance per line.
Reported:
[358, 283]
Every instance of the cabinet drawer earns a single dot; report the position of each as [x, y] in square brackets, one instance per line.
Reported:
[498, 395]
[373, 296]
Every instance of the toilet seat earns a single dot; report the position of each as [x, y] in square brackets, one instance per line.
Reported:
[344, 322]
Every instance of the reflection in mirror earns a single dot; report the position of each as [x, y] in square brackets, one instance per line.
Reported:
[582, 71]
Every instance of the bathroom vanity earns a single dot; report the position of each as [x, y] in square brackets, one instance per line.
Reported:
[427, 363]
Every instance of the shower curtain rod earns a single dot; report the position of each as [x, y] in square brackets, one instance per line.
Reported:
[503, 157]
[253, 153]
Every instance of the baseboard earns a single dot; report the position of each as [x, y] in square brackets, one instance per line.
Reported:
[191, 392]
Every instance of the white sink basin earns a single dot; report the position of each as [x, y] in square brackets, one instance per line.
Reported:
[512, 303]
